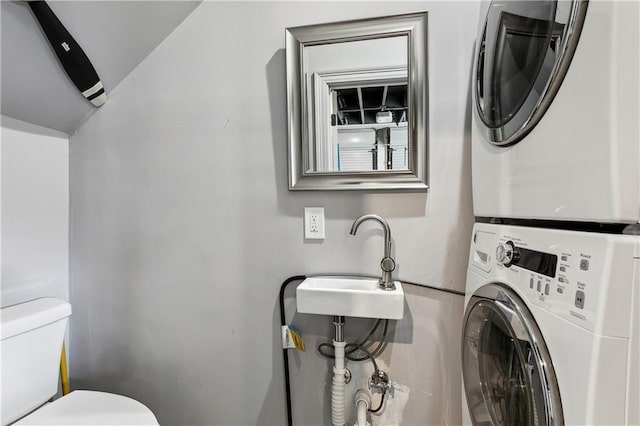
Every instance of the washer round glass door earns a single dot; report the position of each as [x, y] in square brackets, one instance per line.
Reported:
[507, 371]
[523, 55]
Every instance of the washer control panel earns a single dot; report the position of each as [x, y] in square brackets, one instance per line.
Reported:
[532, 260]
[575, 275]
[551, 276]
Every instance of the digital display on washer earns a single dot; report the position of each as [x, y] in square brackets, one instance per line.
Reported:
[537, 261]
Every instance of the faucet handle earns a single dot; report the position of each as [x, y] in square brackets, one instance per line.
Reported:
[388, 264]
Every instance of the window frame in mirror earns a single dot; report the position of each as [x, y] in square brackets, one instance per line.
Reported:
[414, 26]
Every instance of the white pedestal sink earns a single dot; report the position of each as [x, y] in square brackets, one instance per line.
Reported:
[349, 297]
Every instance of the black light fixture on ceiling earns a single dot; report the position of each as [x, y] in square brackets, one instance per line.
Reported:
[72, 58]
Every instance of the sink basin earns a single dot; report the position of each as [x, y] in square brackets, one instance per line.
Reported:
[349, 297]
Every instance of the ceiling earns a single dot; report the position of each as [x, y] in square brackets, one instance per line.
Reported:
[115, 35]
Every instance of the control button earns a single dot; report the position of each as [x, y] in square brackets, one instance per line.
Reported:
[504, 253]
[563, 258]
[584, 264]
[560, 290]
[560, 279]
[531, 283]
[539, 286]
[563, 269]
[546, 289]
[579, 302]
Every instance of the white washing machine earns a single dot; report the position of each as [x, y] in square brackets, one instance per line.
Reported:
[551, 330]
[555, 132]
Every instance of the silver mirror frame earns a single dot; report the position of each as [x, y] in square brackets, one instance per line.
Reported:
[413, 25]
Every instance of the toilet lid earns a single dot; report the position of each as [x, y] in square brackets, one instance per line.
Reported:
[91, 408]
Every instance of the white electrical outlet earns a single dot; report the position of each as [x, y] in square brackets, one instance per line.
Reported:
[314, 223]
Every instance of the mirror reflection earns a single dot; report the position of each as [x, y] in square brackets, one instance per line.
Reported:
[358, 105]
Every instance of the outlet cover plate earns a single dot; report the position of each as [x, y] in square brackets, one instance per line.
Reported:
[314, 223]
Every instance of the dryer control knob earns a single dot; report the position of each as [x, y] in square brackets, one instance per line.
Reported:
[505, 253]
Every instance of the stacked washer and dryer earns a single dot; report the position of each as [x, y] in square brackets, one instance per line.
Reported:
[551, 332]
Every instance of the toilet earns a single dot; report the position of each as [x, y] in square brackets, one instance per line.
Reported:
[32, 334]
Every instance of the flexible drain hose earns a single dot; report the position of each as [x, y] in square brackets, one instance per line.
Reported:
[337, 388]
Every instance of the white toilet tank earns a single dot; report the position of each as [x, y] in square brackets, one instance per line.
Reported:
[32, 334]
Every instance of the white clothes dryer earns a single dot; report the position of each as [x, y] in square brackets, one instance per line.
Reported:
[555, 132]
[551, 331]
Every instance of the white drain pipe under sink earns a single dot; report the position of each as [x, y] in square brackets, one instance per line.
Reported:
[363, 402]
[338, 416]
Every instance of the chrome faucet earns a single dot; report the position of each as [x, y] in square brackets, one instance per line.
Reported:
[387, 264]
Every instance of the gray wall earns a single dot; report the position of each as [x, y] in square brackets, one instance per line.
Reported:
[182, 227]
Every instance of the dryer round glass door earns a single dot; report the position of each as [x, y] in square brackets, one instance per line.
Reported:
[523, 54]
[507, 372]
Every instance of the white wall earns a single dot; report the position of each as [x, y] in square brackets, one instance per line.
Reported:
[182, 227]
[35, 212]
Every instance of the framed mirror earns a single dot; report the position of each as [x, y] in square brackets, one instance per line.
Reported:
[357, 97]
